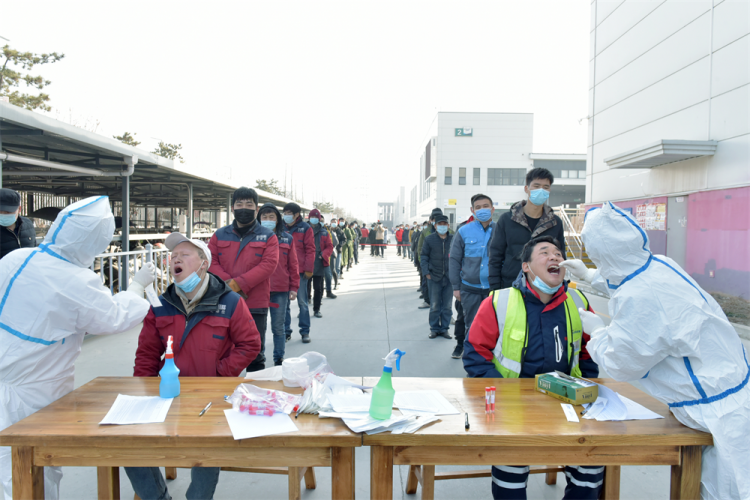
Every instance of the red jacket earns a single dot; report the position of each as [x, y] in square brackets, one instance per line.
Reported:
[286, 276]
[365, 232]
[249, 261]
[221, 342]
[304, 243]
[399, 234]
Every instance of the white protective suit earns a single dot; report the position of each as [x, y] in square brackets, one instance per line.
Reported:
[667, 332]
[50, 299]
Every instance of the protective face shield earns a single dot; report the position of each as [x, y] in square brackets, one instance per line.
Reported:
[616, 243]
[86, 235]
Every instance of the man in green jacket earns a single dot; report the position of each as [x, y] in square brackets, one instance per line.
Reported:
[349, 245]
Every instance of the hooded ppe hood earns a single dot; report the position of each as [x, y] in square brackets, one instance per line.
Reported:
[81, 231]
[616, 243]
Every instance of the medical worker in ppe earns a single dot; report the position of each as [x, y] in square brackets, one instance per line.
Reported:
[50, 300]
[667, 332]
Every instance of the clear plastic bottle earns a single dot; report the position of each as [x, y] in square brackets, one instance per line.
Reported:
[381, 404]
[169, 387]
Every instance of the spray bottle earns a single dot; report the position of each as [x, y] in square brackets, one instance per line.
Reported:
[169, 387]
[381, 404]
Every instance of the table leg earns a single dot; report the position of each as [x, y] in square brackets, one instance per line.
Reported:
[611, 490]
[108, 483]
[342, 473]
[686, 477]
[310, 482]
[428, 482]
[381, 472]
[294, 487]
[412, 481]
[28, 479]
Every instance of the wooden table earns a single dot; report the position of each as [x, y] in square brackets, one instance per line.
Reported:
[530, 428]
[66, 433]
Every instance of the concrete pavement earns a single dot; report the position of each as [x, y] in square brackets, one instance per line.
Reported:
[376, 311]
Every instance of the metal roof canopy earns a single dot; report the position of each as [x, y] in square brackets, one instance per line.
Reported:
[662, 152]
[154, 182]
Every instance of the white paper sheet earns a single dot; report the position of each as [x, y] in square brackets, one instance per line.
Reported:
[245, 426]
[423, 403]
[356, 415]
[369, 423]
[345, 403]
[269, 374]
[611, 406]
[137, 410]
[333, 380]
[570, 412]
[638, 412]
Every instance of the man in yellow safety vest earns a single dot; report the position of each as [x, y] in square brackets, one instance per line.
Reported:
[533, 327]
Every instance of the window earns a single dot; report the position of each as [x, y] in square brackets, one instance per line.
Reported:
[462, 176]
[581, 174]
[563, 174]
[506, 176]
[448, 175]
[476, 176]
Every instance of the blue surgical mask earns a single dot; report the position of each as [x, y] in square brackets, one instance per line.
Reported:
[188, 284]
[538, 196]
[314, 220]
[268, 224]
[441, 229]
[483, 215]
[288, 219]
[7, 219]
[544, 287]
[342, 224]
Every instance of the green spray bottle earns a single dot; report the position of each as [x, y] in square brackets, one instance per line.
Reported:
[381, 404]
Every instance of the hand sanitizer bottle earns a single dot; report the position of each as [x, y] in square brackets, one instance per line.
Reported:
[381, 404]
[169, 387]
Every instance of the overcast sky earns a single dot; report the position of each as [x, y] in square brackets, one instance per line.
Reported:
[340, 94]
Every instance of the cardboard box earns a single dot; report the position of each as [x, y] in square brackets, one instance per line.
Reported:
[570, 390]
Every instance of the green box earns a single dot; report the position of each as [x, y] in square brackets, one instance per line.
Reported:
[573, 391]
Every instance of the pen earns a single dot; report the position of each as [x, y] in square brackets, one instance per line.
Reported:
[204, 410]
[467, 421]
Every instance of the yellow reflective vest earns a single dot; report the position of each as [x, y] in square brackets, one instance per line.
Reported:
[511, 321]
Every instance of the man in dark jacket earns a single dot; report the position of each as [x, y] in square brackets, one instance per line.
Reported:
[213, 333]
[435, 262]
[527, 219]
[323, 249]
[245, 256]
[371, 240]
[541, 332]
[15, 231]
[305, 247]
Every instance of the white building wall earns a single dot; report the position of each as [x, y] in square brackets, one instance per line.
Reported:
[678, 69]
[500, 140]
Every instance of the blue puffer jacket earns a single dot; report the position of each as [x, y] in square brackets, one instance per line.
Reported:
[547, 331]
[469, 268]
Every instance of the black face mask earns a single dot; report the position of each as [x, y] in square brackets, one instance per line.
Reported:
[244, 215]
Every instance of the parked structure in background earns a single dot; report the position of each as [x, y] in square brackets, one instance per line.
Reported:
[669, 135]
[490, 153]
[386, 214]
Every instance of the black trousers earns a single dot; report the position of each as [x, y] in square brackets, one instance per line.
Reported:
[459, 330]
[317, 284]
[259, 363]
[355, 247]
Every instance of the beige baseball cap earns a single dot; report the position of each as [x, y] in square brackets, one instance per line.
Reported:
[175, 239]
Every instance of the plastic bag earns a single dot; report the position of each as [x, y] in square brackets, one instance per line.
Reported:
[300, 372]
[254, 400]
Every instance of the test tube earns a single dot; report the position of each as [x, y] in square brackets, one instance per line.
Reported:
[268, 412]
[492, 399]
[487, 400]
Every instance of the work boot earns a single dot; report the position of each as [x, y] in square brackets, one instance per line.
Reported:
[445, 335]
[331, 295]
[424, 305]
[458, 352]
[433, 335]
[317, 315]
[306, 339]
